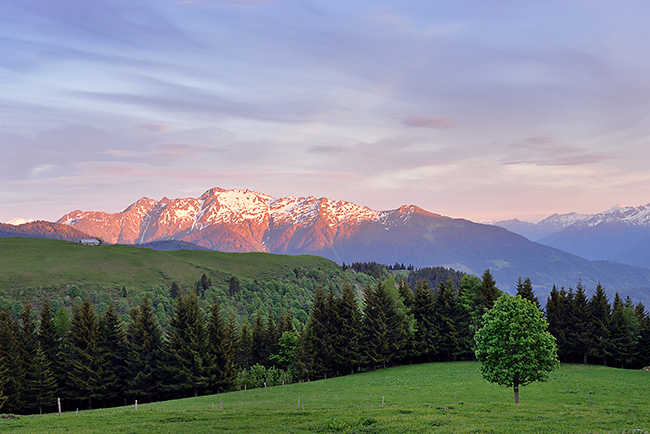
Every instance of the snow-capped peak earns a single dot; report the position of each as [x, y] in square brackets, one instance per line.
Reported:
[19, 221]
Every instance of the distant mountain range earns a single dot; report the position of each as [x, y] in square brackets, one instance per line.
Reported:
[42, 229]
[620, 234]
[244, 221]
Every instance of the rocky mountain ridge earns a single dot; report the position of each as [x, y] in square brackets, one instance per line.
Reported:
[247, 221]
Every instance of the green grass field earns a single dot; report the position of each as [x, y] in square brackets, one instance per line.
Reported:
[419, 398]
[27, 264]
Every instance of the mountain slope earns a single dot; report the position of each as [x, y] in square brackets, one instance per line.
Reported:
[43, 229]
[616, 234]
[247, 221]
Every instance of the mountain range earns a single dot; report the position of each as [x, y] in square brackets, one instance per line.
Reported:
[245, 221]
[620, 234]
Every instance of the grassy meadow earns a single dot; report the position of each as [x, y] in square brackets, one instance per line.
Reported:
[27, 264]
[418, 398]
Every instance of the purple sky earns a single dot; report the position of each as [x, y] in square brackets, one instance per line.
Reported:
[481, 110]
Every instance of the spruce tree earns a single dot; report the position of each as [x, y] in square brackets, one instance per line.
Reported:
[621, 336]
[145, 352]
[556, 315]
[189, 359]
[13, 363]
[600, 311]
[447, 315]
[488, 292]
[85, 363]
[222, 338]
[643, 344]
[583, 336]
[3, 381]
[376, 345]
[317, 345]
[260, 340]
[48, 337]
[347, 343]
[245, 352]
[426, 334]
[405, 292]
[385, 327]
[115, 349]
[41, 382]
[28, 340]
[525, 290]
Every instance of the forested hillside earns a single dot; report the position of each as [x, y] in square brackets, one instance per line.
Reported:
[249, 320]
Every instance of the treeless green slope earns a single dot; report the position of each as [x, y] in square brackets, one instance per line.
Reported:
[33, 262]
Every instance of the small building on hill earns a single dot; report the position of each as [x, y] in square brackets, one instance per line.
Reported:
[90, 242]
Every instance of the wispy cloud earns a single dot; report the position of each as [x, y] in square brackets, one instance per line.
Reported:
[153, 127]
[547, 151]
[428, 122]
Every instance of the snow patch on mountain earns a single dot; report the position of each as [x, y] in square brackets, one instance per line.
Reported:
[19, 221]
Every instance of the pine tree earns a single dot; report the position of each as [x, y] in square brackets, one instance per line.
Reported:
[426, 334]
[583, 336]
[385, 327]
[469, 298]
[600, 312]
[260, 333]
[3, 381]
[525, 290]
[222, 338]
[489, 291]
[376, 345]
[272, 337]
[317, 340]
[245, 353]
[175, 291]
[27, 341]
[189, 360]
[144, 358]
[86, 367]
[41, 381]
[621, 338]
[405, 292]
[347, 355]
[233, 287]
[643, 345]
[448, 315]
[13, 363]
[203, 284]
[115, 349]
[48, 337]
[557, 310]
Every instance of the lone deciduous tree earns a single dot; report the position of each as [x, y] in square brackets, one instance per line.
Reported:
[513, 345]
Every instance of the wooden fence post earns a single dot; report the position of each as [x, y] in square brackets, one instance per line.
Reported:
[58, 402]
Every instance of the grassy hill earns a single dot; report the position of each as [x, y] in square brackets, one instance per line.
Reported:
[417, 399]
[33, 269]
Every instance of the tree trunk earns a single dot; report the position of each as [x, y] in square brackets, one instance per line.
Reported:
[515, 385]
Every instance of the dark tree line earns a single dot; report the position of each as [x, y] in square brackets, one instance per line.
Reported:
[593, 330]
[90, 360]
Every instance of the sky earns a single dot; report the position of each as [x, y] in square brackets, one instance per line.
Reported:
[478, 110]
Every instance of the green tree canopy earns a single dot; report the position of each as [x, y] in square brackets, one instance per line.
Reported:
[514, 346]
